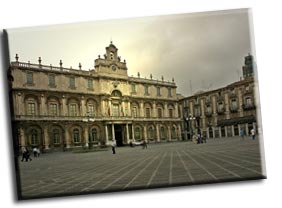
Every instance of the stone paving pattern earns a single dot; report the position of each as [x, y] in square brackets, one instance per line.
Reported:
[161, 165]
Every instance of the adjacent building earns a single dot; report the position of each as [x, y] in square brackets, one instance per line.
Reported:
[58, 107]
[224, 111]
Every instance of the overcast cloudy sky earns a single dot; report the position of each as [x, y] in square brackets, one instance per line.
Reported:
[204, 49]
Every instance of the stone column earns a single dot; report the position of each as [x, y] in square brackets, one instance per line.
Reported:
[128, 109]
[22, 138]
[158, 133]
[106, 134]
[46, 137]
[227, 108]
[43, 110]
[127, 134]
[133, 136]
[232, 130]
[179, 131]
[86, 135]
[113, 132]
[165, 110]
[68, 140]
[240, 103]
[110, 107]
[145, 134]
[176, 110]
[141, 109]
[154, 110]
[83, 107]
[169, 133]
[63, 107]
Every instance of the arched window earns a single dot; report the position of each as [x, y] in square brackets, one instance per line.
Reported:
[173, 132]
[34, 137]
[137, 133]
[94, 135]
[162, 133]
[56, 136]
[76, 138]
[151, 133]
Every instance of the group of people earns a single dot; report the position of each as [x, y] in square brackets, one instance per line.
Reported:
[26, 153]
[242, 134]
[199, 139]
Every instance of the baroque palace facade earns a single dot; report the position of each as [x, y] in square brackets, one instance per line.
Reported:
[57, 107]
[224, 111]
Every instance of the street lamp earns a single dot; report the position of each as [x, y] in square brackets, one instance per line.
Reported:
[189, 120]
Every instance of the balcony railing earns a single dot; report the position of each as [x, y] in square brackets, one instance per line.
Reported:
[89, 119]
[248, 106]
[208, 113]
[221, 111]
[233, 109]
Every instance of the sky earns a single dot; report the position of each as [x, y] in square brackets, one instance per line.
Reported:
[201, 51]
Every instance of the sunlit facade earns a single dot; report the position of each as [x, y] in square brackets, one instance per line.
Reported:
[63, 108]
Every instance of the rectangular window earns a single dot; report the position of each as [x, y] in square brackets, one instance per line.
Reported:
[133, 88]
[158, 91]
[115, 110]
[169, 92]
[31, 109]
[73, 110]
[248, 101]
[160, 112]
[134, 112]
[233, 104]
[146, 88]
[53, 109]
[91, 110]
[52, 82]
[170, 113]
[147, 112]
[90, 84]
[29, 78]
[72, 82]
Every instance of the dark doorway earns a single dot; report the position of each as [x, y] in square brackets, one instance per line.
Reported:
[118, 135]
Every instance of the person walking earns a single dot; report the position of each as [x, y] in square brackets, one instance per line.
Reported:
[253, 133]
[242, 133]
[114, 144]
[144, 144]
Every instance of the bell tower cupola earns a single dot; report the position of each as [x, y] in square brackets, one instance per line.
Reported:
[111, 63]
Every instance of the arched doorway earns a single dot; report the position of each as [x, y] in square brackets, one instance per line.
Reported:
[118, 134]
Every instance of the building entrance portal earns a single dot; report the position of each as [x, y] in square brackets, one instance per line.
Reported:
[118, 135]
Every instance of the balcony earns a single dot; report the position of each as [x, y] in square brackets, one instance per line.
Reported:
[89, 119]
[208, 114]
[233, 109]
[248, 106]
[220, 111]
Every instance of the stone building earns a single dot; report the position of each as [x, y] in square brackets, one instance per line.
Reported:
[222, 112]
[58, 107]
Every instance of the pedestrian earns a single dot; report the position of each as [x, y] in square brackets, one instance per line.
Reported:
[36, 152]
[23, 153]
[242, 133]
[26, 155]
[253, 133]
[114, 144]
[199, 140]
[144, 144]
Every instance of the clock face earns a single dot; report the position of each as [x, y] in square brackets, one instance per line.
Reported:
[114, 68]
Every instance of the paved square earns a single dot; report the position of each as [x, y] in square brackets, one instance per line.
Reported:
[161, 165]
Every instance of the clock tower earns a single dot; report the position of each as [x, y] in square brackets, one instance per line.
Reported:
[111, 63]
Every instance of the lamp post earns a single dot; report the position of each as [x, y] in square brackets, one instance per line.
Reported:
[189, 120]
